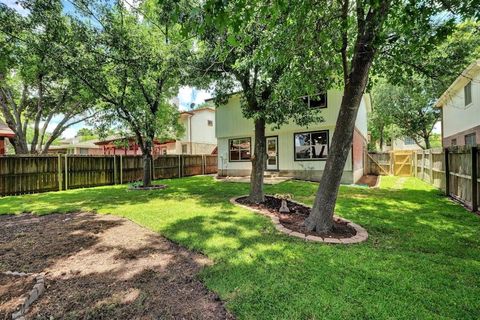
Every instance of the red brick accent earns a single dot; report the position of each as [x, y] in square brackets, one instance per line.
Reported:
[2, 145]
[460, 136]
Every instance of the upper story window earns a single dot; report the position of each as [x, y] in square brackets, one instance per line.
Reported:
[471, 139]
[467, 90]
[409, 141]
[210, 123]
[316, 101]
[184, 148]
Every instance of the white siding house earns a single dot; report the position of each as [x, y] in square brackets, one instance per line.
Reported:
[297, 151]
[461, 109]
[199, 133]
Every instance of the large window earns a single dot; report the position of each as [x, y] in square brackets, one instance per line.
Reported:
[311, 145]
[467, 90]
[471, 139]
[239, 149]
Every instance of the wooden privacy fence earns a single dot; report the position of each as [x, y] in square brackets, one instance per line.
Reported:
[37, 173]
[397, 163]
[454, 170]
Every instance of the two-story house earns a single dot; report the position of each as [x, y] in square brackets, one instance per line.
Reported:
[199, 133]
[460, 105]
[293, 150]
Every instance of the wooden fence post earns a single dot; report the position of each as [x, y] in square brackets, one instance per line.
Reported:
[179, 166]
[447, 172]
[474, 179]
[423, 165]
[152, 169]
[430, 165]
[114, 169]
[66, 172]
[414, 165]
[121, 170]
[59, 175]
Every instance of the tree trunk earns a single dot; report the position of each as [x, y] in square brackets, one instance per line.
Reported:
[19, 145]
[381, 139]
[427, 142]
[321, 216]
[147, 169]
[258, 163]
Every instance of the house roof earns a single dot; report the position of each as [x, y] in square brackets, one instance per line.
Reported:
[111, 139]
[192, 112]
[5, 131]
[86, 144]
[459, 83]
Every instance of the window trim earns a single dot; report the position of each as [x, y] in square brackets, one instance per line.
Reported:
[465, 137]
[250, 149]
[319, 108]
[311, 159]
[469, 85]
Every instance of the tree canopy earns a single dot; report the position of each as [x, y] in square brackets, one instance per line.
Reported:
[35, 91]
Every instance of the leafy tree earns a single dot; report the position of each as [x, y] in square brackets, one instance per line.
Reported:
[342, 39]
[86, 134]
[408, 101]
[35, 92]
[411, 109]
[384, 32]
[133, 65]
[242, 54]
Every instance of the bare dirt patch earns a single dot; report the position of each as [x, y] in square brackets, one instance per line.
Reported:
[12, 291]
[105, 267]
[295, 219]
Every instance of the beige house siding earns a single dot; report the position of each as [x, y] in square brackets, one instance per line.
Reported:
[231, 124]
[459, 119]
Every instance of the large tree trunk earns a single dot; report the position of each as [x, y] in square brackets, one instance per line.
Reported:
[147, 169]
[321, 217]
[19, 145]
[258, 163]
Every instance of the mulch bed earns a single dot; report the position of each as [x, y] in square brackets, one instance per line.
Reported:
[104, 267]
[296, 218]
[369, 180]
[12, 290]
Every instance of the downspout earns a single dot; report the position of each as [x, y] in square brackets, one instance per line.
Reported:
[190, 133]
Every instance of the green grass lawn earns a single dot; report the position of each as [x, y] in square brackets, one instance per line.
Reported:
[422, 259]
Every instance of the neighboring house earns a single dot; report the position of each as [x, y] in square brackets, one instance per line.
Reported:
[401, 144]
[199, 133]
[5, 133]
[198, 137]
[115, 145]
[76, 146]
[296, 151]
[461, 109]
